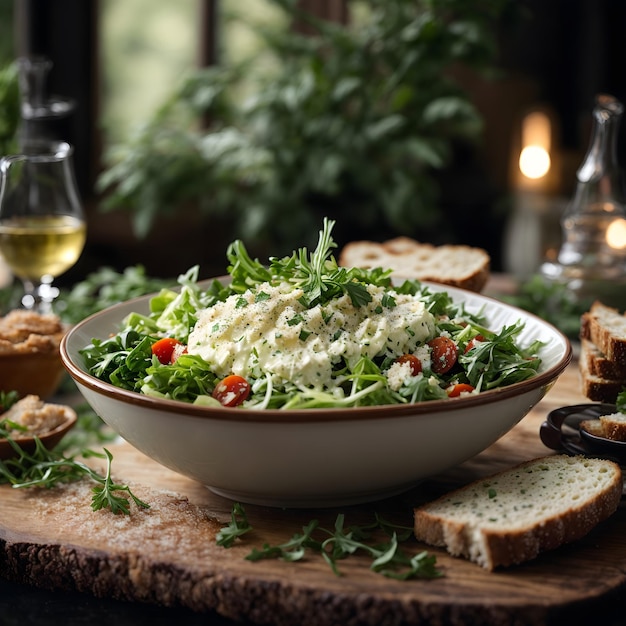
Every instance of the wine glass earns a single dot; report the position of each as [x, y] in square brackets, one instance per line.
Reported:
[42, 226]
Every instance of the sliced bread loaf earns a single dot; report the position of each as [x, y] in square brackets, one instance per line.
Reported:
[605, 327]
[513, 516]
[598, 364]
[456, 265]
[594, 387]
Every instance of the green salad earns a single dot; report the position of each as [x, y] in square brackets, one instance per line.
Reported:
[302, 332]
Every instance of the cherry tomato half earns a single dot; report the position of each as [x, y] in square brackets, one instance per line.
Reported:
[164, 348]
[413, 361]
[444, 353]
[472, 343]
[456, 390]
[232, 390]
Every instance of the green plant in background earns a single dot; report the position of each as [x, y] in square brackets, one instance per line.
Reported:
[551, 301]
[9, 109]
[352, 123]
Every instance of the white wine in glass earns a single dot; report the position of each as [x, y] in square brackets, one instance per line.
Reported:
[42, 227]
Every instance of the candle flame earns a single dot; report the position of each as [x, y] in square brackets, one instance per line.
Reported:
[534, 160]
[616, 234]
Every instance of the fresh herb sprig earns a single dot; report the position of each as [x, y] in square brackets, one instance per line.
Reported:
[317, 274]
[104, 494]
[47, 468]
[337, 544]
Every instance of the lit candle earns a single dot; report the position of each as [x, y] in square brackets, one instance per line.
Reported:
[533, 227]
[616, 234]
[534, 159]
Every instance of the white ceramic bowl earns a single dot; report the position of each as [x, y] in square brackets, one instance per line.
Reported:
[316, 457]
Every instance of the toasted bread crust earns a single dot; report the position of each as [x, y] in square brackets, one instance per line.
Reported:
[594, 387]
[602, 378]
[607, 426]
[455, 265]
[614, 426]
[553, 532]
[606, 328]
[593, 427]
[562, 521]
[599, 365]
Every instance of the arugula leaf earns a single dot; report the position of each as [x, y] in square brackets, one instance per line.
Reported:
[175, 313]
[186, 379]
[422, 389]
[499, 361]
[238, 527]
[121, 359]
[245, 272]
[292, 550]
[339, 543]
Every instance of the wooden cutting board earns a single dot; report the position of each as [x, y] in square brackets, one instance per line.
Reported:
[167, 555]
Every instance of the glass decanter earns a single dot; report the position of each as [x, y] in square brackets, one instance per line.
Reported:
[592, 257]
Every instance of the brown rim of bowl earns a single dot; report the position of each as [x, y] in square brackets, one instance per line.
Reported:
[542, 379]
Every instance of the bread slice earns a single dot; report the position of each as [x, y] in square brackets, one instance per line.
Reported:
[614, 426]
[599, 365]
[611, 426]
[456, 265]
[593, 427]
[513, 516]
[594, 387]
[605, 327]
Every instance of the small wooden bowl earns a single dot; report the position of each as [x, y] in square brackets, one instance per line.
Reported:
[49, 439]
[36, 373]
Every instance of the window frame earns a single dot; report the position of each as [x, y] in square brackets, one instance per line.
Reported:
[66, 32]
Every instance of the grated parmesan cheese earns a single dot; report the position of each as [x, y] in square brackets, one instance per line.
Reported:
[269, 330]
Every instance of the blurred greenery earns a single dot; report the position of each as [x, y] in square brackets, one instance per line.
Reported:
[9, 108]
[144, 47]
[353, 123]
[553, 302]
[99, 290]
[9, 90]
[104, 288]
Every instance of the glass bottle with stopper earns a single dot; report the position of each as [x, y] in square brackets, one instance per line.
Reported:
[42, 114]
[591, 261]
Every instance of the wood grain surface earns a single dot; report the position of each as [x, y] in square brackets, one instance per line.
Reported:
[167, 555]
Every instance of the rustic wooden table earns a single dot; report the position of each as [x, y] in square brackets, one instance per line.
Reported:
[40, 547]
